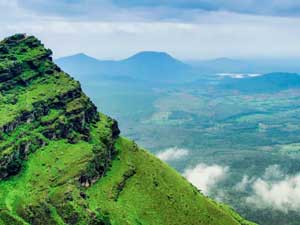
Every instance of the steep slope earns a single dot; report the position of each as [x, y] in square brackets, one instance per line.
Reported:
[62, 162]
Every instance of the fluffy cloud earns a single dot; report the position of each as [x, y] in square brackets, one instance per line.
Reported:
[172, 154]
[273, 172]
[111, 30]
[205, 177]
[283, 195]
[118, 33]
[243, 184]
[273, 190]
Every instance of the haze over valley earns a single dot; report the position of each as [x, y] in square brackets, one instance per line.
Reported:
[234, 136]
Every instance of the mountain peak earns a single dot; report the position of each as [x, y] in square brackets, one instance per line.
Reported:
[152, 55]
[16, 52]
[38, 98]
[79, 57]
[81, 54]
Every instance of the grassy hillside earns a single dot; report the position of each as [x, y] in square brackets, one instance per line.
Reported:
[140, 189]
[61, 162]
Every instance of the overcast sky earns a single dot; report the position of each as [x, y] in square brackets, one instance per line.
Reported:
[187, 29]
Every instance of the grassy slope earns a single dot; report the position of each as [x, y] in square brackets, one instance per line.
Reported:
[49, 182]
[46, 172]
[154, 194]
[139, 189]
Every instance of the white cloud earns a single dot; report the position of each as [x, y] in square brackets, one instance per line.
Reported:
[273, 172]
[243, 184]
[274, 189]
[205, 177]
[172, 154]
[282, 195]
[205, 35]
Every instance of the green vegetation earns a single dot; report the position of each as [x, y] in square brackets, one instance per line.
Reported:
[38, 103]
[139, 187]
[62, 162]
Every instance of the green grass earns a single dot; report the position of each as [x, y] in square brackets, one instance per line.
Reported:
[51, 166]
[138, 189]
[154, 194]
[38, 102]
[40, 90]
[47, 191]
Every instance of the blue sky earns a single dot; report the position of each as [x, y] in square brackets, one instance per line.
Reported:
[188, 29]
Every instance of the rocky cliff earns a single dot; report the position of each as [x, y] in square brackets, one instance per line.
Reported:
[39, 103]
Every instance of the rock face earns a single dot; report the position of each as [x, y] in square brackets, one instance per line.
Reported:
[38, 103]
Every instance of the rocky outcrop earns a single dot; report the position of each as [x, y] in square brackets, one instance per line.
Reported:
[40, 103]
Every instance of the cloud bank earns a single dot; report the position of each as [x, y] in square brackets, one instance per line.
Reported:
[171, 154]
[83, 7]
[283, 195]
[205, 177]
[274, 189]
[243, 185]
[186, 29]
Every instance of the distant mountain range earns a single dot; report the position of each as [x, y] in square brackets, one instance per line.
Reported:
[158, 66]
[153, 69]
